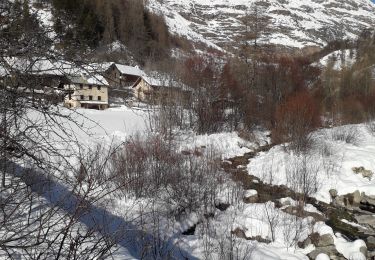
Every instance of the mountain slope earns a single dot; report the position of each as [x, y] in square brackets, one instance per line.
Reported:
[294, 23]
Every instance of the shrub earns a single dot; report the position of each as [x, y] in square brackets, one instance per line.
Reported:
[347, 134]
[183, 182]
[295, 119]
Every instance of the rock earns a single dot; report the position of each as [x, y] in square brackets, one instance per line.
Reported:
[305, 243]
[365, 220]
[330, 251]
[358, 170]
[239, 233]
[370, 241]
[259, 239]
[349, 200]
[285, 203]
[251, 196]
[325, 240]
[333, 193]
[222, 206]
[357, 198]
[365, 173]
[242, 234]
[368, 203]
[363, 250]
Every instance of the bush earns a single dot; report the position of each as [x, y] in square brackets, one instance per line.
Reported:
[295, 119]
[183, 182]
[348, 135]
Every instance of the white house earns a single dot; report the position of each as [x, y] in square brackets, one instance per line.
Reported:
[87, 91]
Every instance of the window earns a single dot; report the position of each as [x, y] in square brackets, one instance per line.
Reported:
[90, 97]
[81, 86]
[99, 98]
[90, 86]
[82, 97]
[99, 87]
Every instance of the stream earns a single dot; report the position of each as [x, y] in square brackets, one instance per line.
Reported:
[333, 214]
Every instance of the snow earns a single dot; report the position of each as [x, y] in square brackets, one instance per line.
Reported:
[118, 123]
[45, 17]
[250, 193]
[339, 59]
[227, 144]
[322, 257]
[115, 125]
[353, 224]
[334, 170]
[295, 23]
[129, 70]
[47, 66]
[351, 250]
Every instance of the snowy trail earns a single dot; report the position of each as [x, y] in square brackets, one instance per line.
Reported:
[103, 221]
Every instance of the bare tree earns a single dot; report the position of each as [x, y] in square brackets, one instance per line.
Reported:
[302, 175]
[256, 29]
[43, 209]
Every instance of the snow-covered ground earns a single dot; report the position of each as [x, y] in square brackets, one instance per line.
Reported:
[332, 157]
[339, 59]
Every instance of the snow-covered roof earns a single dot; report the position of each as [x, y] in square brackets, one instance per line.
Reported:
[156, 79]
[45, 66]
[40, 66]
[89, 80]
[129, 70]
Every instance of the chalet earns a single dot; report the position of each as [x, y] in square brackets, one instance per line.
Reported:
[87, 91]
[122, 76]
[154, 89]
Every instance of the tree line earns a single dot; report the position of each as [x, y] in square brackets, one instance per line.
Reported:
[97, 23]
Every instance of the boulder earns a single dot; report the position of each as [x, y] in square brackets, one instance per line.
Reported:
[290, 210]
[350, 200]
[357, 198]
[365, 173]
[370, 241]
[333, 193]
[363, 250]
[305, 243]
[330, 251]
[365, 220]
[325, 241]
[251, 196]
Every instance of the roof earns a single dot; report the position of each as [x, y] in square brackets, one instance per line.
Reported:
[89, 80]
[46, 66]
[159, 80]
[153, 81]
[129, 70]
[39, 66]
[98, 67]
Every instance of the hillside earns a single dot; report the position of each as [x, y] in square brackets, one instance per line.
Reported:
[294, 23]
